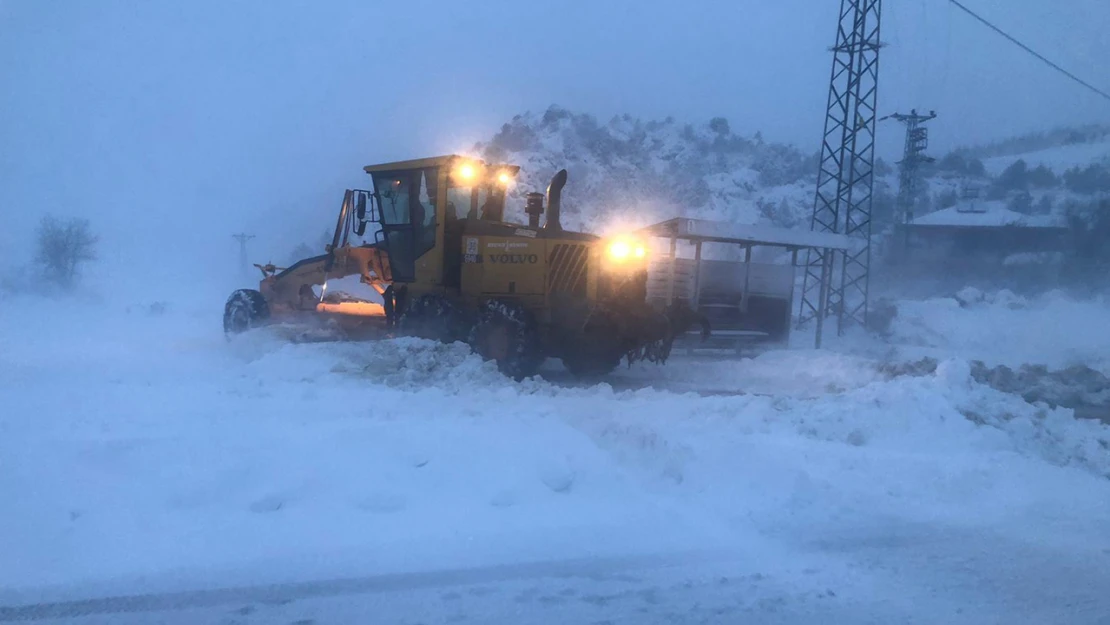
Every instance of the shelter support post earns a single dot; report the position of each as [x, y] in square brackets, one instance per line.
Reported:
[793, 283]
[822, 304]
[674, 267]
[697, 276]
[747, 279]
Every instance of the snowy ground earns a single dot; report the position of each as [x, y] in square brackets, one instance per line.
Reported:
[143, 457]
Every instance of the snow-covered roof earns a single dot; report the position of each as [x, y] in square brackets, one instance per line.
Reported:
[727, 232]
[988, 214]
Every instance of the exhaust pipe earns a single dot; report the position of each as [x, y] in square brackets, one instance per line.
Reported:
[555, 200]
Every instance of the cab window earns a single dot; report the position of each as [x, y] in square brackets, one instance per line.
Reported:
[475, 201]
[407, 199]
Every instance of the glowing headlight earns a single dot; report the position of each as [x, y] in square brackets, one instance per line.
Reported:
[504, 178]
[640, 251]
[466, 171]
[620, 249]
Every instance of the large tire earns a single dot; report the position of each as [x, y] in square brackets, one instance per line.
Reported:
[508, 334]
[245, 309]
[434, 318]
[596, 352]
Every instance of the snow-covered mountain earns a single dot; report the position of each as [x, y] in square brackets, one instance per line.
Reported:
[632, 172]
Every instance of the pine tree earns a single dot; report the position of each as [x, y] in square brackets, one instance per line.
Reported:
[1015, 177]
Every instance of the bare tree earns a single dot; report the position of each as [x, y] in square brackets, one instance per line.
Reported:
[62, 245]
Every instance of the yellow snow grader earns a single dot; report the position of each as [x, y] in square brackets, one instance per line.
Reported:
[431, 238]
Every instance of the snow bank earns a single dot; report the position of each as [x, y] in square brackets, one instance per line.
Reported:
[797, 372]
[932, 449]
[1003, 328]
[147, 446]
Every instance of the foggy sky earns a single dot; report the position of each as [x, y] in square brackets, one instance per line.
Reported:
[173, 124]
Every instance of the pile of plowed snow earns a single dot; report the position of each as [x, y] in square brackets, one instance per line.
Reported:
[848, 399]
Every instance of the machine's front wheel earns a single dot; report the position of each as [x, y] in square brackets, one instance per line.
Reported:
[597, 351]
[507, 334]
[434, 318]
[245, 309]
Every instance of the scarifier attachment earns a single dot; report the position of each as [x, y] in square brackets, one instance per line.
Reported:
[638, 332]
[656, 332]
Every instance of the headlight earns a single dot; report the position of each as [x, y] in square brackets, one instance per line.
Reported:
[620, 250]
[466, 172]
[504, 178]
[624, 249]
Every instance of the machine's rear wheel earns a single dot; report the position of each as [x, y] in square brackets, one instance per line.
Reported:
[507, 333]
[245, 309]
[434, 318]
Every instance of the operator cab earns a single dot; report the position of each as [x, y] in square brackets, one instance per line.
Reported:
[428, 200]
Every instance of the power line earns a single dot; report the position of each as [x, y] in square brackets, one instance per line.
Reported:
[1030, 50]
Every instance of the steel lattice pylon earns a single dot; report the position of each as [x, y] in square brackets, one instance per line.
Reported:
[913, 157]
[844, 181]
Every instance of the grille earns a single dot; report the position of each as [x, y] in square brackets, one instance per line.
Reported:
[566, 270]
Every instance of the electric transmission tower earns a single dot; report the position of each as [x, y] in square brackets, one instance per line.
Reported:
[844, 181]
[913, 157]
[242, 238]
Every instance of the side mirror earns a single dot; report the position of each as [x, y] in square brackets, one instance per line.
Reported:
[360, 214]
[360, 209]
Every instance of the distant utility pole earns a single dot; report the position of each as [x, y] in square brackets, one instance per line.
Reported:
[913, 157]
[242, 238]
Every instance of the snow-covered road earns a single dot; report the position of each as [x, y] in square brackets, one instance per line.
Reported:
[934, 579]
[142, 455]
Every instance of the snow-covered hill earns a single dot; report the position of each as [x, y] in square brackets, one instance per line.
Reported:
[633, 172]
[1017, 147]
[1059, 158]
